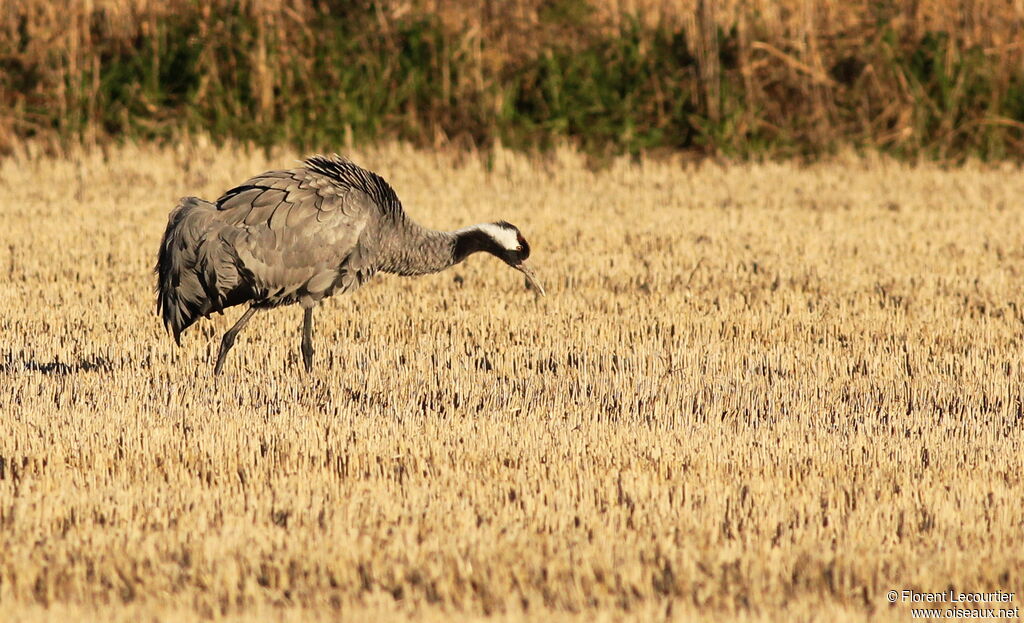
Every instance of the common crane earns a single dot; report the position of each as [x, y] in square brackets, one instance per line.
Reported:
[299, 236]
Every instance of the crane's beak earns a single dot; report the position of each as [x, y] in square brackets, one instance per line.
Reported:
[531, 276]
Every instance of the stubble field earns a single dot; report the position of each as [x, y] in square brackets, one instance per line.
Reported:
[753, 392]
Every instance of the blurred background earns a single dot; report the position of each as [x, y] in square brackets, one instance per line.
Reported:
[938, 79]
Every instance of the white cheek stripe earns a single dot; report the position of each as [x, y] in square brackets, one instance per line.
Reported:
[505, 237]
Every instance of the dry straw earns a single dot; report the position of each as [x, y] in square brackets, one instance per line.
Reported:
[758, 392]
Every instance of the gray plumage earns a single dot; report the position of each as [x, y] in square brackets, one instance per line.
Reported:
[301, 235]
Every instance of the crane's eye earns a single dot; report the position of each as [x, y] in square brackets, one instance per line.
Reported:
[519, 248]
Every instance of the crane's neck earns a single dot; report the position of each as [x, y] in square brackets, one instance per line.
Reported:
[409, 249]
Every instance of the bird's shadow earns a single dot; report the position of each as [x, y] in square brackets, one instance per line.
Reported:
[12, 363]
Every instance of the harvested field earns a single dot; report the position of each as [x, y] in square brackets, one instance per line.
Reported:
[753, 392]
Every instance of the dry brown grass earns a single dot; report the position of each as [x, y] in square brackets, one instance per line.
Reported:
[784, 77]
[754, 392]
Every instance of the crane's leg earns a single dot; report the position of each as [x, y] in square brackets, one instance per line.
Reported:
[229, 339]
[307, 338]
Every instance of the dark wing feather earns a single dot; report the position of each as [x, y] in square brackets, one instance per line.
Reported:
[345, 175]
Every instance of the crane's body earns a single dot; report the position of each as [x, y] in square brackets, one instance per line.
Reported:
[299, 236]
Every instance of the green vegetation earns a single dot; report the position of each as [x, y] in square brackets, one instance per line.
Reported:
[338, 71]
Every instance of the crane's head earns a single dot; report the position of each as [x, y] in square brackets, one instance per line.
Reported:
[502, 240]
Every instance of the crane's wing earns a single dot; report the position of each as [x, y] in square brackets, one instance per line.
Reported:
[299, 234]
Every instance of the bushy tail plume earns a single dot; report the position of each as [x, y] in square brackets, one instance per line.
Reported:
[195, 270]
